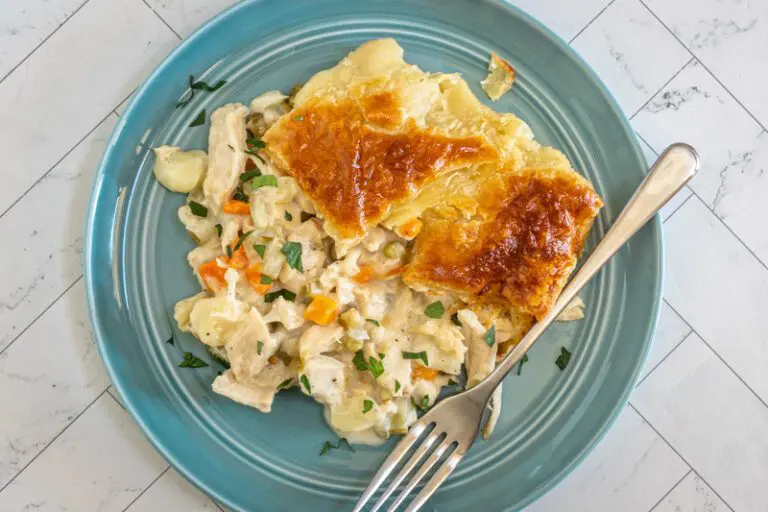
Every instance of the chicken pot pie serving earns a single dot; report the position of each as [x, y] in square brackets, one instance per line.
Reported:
[366, 237]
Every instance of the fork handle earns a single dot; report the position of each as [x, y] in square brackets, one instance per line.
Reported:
[674, 168]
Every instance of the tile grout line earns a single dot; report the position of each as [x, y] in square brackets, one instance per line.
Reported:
[41, 43]
[66, 154]
[713, 75]
[690, 470]
[162, 19]
[111, 387]
[730, 230]
[721, 359]
[591, 21]
[693, 58]
[50, 443]
[688, 335]
[148, 486]
[630, 404]
[678, 209]
[44, 311]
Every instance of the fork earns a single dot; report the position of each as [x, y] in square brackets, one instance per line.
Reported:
[452, 425]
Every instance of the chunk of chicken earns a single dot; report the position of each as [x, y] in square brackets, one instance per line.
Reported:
[226, 153]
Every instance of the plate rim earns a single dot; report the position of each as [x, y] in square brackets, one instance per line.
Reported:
[90, 266]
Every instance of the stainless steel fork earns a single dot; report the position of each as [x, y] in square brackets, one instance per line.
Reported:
[450, 428]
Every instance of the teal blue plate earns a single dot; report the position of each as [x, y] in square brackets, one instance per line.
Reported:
[136, 270]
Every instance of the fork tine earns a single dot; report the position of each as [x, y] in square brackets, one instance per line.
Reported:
[435, 481]
[390, 463]
[423, 470]
[409, 466]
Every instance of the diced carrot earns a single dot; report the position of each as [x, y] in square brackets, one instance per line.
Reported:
[410, 229]
[272, 359]
[395, 271]
[212, 274]
[236, 207]
[323, 310]
[239, 259]
[366, 274]
[253, 275]
[423, 372]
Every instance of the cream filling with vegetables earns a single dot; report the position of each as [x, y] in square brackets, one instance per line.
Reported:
[283, 311]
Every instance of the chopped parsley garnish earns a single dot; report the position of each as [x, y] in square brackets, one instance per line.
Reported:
[218, 358]
[170, 341]
[285, 383]
[286, 294]
[199, 120]
[241, 240]
[192, 361]
[374, 322]
[305, 382]
[218, 229]
[265, 279]
[359, 361]
[330, 446]
[521, 363]
[367, 405]
[229, 252]
[423, 404]
[256, 143]
[490, 335]
[259, 346]
[397, 386]
[265, 180]
[299, 118]
[202, 86]
[417, 355]
[239, 195]
[381, 355]
[563, 359]
[455, 319]
[376, 367]
[199, 86]
[198, 209]
[435, 310]
[292, 251]
[452, 382]
[288, 216]
[260, 249]
[249, 175]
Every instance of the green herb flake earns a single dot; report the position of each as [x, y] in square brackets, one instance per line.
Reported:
[286, 294]
[199, 120]
[198, 209]
[422, 404]
[435, 310]
[241, 240]
[563, 359]
[330, 446]
[292, 251]
[192, 361]
[259, 346]
[256, 143]
[298, 118]
[376, 367]
[216, 357]
[367, 405]
[397, 386]
[265, 279]
[521, 363]
[305, 382]
[455, 319]
[285, 383]
[452, 382]
[170, 341]
[249, 175]
[374, 322]
[490, 335]
[288, 216]
[219, 229]
[417, 355]
[381, 355]
[229, 252]
[260, 249]
[265, 180]
[200, 85]
[359, 361]
[239, 195]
